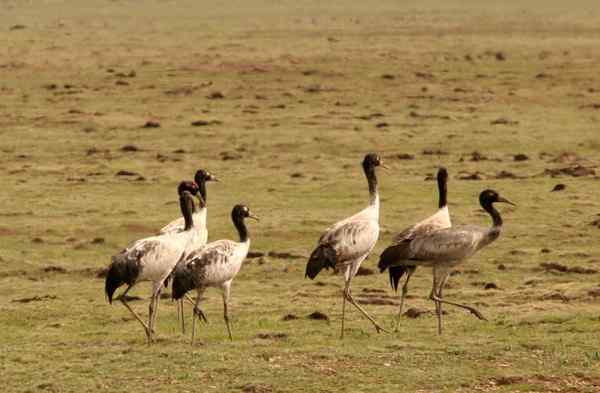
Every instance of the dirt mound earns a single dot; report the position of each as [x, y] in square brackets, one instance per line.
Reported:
[566, 158]
[203, 123]
[574, 171]
[34, 299]
[54, 269]
[271, 336]
[376, 301]
[520, 157]
[507, 175]
[319, 316]
[471, 176]
[414, 312]
[557, 267]
[151, 124]
[504, 121]
[255, 254]
[256, 388]
[285, 255]
[365, 271]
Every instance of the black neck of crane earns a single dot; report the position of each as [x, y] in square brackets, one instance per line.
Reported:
[371, 179]
[202, 191]
[443, 191]
[240, 225]
[186, 204]
[496, 218]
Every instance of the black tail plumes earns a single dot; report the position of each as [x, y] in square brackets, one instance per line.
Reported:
[183, 280]
[391, 258]
[394, 254]
[323, 256]
[121, 271]
[396, 273]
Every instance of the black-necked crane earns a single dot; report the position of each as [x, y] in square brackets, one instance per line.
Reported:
[347, 243]
[444, 250]
[214, 265]
[150, 259]
[200, 237]
[439, 220]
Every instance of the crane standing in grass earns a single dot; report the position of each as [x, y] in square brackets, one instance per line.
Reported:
[201, 177]
[150, 259]
[214, 265]
[347, 243]
[444, 250]
[439, 220]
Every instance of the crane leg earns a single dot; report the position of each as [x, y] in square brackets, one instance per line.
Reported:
[404, 292]
[140, 320]
[226, 288]
[194, 319]
[473, 310]
[150, 313]
[157, 302]
[438, 313]
[440, 274]
[344, 308]
[153, 309]
[181, 315]
[349, 297]
[439, 307]
[197, 312]
[348, 274]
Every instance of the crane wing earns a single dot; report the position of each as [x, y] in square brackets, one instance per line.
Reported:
[217, 252]
[446, 244]
[352, 239]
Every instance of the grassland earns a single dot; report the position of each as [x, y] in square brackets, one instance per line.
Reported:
[295, 93]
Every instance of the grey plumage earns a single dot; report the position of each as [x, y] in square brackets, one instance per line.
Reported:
[445, 249]
[396, 253]
[348, 242]
[149, 259]
[200, 237]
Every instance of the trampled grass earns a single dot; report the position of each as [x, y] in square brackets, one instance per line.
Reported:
[307, 88]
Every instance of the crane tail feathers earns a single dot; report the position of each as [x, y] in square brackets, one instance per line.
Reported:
[121, 271]
[183, 280]
[394, 254]
[323, 257]
[396, 273]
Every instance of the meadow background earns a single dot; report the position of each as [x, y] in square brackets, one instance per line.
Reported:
[97, 101]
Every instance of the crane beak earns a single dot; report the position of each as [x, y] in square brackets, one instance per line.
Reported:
[504, 200]
[214, 178]
[384, 166]
[252, 216]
